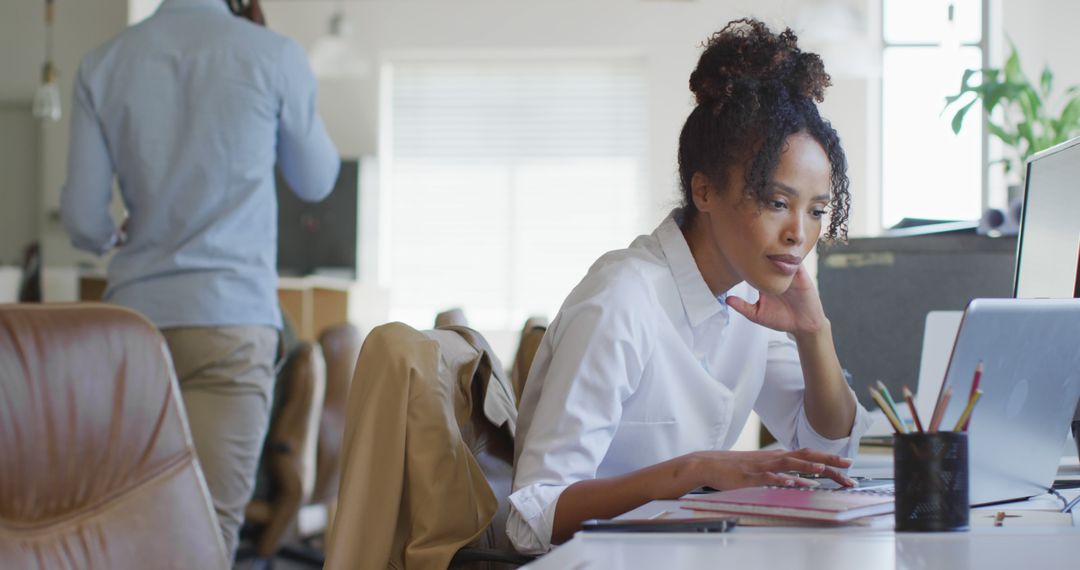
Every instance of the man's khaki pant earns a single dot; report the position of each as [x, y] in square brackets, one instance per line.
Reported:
[226, 377]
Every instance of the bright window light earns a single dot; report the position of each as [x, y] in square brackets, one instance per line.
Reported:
[507, 180]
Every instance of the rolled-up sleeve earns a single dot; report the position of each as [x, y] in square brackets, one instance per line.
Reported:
[307, 157]
[87, 192]
[589, 363]
[781, 407]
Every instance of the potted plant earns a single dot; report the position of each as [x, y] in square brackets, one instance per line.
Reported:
[1028, 122]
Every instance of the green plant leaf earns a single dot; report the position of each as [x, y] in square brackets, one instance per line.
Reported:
[1009, 139]
[1024, 130]
[993, 93]
[1069, 122]
[1013, 74]
[1029, 102]
[958, 118]
[1046, 82]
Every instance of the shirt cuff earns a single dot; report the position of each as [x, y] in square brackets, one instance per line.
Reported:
[807, 436]
[532, 515]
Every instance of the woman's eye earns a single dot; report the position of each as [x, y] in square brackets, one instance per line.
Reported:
[819, 213]
[777, 204]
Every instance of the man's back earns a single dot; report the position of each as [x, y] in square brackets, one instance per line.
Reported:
[191, 109]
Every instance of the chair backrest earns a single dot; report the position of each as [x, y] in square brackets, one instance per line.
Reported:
[288, 462]
[97, 467]
[340, 347]
[454, 317]
[414, 486]
[531, 335]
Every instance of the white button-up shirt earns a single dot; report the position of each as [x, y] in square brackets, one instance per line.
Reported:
[643, 364]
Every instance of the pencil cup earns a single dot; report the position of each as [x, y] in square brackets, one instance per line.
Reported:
[931, 472]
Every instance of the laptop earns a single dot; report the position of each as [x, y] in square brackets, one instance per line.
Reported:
[1030, 350]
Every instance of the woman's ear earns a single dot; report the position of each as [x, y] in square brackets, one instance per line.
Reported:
[702, 190]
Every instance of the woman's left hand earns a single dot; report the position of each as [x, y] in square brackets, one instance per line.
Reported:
[797, 310]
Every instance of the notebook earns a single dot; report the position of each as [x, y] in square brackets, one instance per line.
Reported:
[796, 503]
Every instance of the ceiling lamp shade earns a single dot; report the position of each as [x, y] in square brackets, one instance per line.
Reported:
[333, 55]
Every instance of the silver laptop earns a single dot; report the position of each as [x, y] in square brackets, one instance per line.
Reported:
[1030, 349]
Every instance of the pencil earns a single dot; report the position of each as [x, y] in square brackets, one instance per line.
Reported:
[974, 386]
[939, 409]
[888, 413]
[888, 398]
[961, 424]
[911, 404]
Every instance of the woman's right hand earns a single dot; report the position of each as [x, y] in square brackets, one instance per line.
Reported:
[723, 470]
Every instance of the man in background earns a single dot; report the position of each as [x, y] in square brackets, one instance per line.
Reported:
[190, 110]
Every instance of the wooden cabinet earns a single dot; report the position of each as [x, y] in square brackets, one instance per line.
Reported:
[312, 304]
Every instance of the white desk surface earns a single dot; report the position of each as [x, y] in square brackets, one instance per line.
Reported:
[1013, 546]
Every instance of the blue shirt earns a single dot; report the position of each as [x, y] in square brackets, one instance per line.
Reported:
[191, 109]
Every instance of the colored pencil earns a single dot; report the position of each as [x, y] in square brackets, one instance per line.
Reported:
[911, 404]
[888, 398]
[939, 409]
[895, 421]
[974, 386]
[961, 424]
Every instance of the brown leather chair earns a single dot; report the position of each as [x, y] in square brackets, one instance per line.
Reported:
[302, 455]
[97, 467]
[451, 317]
[289, 452]
[531, 335]
[428, 446]
[341, 347]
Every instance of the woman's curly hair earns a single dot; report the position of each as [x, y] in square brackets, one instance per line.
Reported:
[754, 89]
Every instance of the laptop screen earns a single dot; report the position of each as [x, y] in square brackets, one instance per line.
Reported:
[1048, 253]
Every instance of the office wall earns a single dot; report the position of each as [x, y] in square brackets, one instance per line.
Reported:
[667, 34]
[1044, 32]
[20, 67]
[79, 27]
[18, 186]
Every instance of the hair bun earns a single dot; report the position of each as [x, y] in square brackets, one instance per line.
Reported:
[745, 58]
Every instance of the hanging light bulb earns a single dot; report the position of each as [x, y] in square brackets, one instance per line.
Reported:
[47, 97]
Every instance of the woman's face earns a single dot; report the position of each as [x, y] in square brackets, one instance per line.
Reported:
[764, 243]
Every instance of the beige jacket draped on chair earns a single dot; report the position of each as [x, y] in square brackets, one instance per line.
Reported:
[431, 419]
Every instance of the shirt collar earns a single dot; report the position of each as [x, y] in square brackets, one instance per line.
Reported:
[698, 300]
[187, 4]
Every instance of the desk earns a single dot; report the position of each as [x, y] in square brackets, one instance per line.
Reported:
[846, 548]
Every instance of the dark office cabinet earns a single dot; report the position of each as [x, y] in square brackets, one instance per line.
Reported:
[877, 292]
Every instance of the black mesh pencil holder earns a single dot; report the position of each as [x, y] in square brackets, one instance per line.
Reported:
[931, 472]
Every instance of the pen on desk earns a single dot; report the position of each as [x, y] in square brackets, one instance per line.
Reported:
[961, 424]
[974, 386]
[911, 404]
[895, 421]
[939, 409]
[889, 399]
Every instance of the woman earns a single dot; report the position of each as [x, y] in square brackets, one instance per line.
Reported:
[650, 369]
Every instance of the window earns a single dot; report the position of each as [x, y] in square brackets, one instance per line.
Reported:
[504, 180]
[927, 171]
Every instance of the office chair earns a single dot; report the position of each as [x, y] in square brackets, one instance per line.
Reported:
[531, 335]
[451, 317]
[286, 476]
[299, 480]
[97, 466]
[430, 418]
[341, 347]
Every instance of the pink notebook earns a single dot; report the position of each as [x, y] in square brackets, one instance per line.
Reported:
[832, 505]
